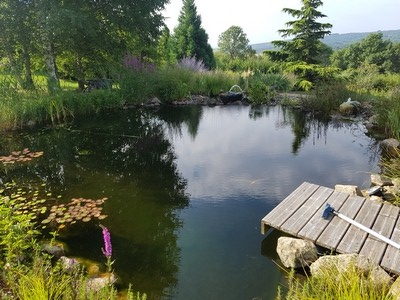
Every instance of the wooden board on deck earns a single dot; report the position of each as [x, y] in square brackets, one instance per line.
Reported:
[300, 214]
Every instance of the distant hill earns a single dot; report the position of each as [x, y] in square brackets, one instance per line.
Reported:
[340, 40]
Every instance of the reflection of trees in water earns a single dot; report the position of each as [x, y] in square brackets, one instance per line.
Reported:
[174, 119]
[305, 125]
[128, 158]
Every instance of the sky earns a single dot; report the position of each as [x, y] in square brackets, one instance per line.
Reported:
[261, 19]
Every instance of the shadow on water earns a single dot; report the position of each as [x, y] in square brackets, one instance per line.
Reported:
[128, 159]
[236, 163]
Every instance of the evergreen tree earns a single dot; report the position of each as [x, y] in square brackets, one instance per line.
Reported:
[191, 40]
[305, 46]
[165, 48]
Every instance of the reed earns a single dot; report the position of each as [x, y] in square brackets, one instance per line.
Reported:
[333, 286]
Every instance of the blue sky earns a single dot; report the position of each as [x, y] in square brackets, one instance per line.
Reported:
[261, 19]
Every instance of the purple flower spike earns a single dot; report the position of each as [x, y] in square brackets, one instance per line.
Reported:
[107, 250]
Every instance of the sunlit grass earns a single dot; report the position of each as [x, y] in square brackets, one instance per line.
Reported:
[333, 286]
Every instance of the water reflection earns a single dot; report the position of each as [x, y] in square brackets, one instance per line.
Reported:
[187, 188]
[128, 159]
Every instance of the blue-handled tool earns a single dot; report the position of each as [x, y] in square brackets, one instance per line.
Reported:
[329, 210]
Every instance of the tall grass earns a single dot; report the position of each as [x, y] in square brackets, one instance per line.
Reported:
[174, 83]
[326, 97]
[333, 286]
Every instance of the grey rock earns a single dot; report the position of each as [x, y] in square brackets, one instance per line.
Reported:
[349, 189]
[296, 253]
[342, 263]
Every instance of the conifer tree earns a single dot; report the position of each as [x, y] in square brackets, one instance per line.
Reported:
[191, 40]
[305, 33]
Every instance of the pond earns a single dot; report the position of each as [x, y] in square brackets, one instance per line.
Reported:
[187, 188]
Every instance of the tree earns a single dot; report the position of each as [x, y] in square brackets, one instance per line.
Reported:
[190, 39]
[234, 42]
[88, 36]
[305, 46]
[165, 48]
[371, 50]
[17, 29]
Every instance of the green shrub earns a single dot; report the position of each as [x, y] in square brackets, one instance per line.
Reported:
[326, 97]
[264, 87]
[173, 83]
[137, 86]
[213, 82]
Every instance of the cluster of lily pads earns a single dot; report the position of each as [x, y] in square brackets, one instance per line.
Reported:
[78, 209]
[25, 202]
[20, 156]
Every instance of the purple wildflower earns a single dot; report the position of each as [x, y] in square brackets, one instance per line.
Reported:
[107, 250]
[136, 64]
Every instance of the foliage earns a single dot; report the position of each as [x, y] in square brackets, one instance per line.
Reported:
[165, 50]
[235, 43]
[371, 50]
[310, 74]
[17, 234]
[30, 274]
[190, 39]
[259, 63]
[387, 108]
[334, 286]
[264, 87]
[192, 63]
[326, 97]
[305, 46]
[80, 39]
[174, 83]
[19, 108]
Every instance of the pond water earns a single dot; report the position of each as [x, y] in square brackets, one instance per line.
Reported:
[187, 188]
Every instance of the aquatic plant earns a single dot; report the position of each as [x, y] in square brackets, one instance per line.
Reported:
[24, 201]
[107, 249]
[20, 156]
[78, 209]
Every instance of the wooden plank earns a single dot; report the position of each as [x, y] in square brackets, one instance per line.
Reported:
[316, 225]
[355, 237]
[289, 205]
[335, 230]
[301, 216]
[391, 258]
[384, 224]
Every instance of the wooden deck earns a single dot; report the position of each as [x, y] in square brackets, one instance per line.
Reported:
[300, 215]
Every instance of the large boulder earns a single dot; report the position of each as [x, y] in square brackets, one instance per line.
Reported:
[346, 263]
[97, 283]
[381, 180]
[349, 107]
[390, 147]
[296, 253]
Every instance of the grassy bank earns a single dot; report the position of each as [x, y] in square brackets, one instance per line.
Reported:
[19, 108]
[333, 286]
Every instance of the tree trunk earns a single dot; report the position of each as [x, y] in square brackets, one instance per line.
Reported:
[80, 73]
[28, 80]
[53, 83]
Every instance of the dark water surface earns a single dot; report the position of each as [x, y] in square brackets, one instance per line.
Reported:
[187, 189]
